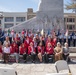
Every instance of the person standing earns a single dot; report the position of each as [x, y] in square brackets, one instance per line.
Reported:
[69, 40]
[74, 40]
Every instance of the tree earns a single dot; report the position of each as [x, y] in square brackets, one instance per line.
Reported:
[71, 5]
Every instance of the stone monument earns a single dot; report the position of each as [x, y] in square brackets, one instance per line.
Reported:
[49, 16]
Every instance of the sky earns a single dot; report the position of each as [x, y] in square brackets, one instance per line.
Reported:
[21, 5]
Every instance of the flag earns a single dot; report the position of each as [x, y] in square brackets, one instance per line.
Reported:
[23, 32]
[66, 34]
[42, 32]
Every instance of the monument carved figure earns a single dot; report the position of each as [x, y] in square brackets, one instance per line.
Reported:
[49, 16]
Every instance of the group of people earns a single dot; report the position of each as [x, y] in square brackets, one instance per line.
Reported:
[35, 45]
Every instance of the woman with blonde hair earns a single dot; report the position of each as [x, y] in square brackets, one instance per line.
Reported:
[58, 52]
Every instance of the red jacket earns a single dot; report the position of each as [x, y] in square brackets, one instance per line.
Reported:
[51, 42]
[30, 50]
[22, 50]
[49, 50]
[0, 49]
[14, 49]
[54, 41]
[40, 49]
[27, 43]
[17, 39]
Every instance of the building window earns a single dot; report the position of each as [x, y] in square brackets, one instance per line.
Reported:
[0, 21]
[8, 25]
[70, 19]
[9, 19]
[71, 27]
[20, 19]
[73, 19]
[64, 19]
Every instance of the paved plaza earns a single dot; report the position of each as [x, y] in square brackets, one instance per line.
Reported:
[34, 69]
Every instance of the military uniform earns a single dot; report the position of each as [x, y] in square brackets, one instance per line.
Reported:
[74, 40]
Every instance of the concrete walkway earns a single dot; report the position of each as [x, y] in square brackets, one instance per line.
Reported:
[34, 69]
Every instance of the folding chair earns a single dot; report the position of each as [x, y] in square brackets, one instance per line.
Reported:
[7, 71]
[57, 74]
[62, 67]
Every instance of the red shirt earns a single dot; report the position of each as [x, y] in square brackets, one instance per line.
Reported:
[31, 49]
[40, 49]
[16, 39]
[54, 41]
[49, 50]
[51, 42]
[0, 49]
[14, 49]
[27, 43]
[22, 50]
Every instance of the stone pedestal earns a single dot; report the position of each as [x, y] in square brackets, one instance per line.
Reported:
[49, 16]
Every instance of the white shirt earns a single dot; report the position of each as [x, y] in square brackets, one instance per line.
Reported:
[74, 37]
[6, 50]
[4, 44]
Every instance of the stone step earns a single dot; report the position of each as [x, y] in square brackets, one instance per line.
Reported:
[72, 55]
[72, 49]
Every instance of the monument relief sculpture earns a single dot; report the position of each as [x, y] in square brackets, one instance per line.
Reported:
[49, 15]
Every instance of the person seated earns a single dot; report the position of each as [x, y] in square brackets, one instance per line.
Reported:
[15, 51]
[1, 52]
[6, 52]
[32, 51]
[50, 40]
[17, 39]
[6, 41]
[58, 52]
[49, 51]
[27, 42]
[66, 52]
[40, 49]
[23, 51]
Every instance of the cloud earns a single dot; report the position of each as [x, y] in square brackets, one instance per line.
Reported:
[4, 9]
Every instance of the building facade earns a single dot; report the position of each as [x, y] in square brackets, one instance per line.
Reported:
[70, 21]
[9, 19]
